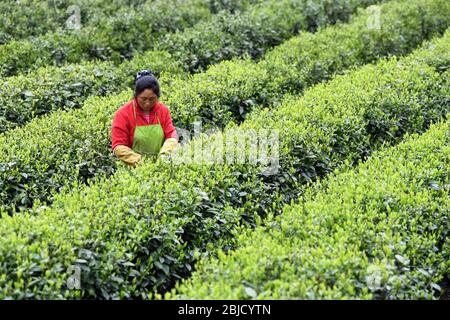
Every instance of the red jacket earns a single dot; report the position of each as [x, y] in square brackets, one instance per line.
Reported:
[123, 124]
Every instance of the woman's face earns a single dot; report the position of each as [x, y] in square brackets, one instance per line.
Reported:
[147, 99]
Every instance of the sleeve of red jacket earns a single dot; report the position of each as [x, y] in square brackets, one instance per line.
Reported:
[168, 127]
[120, 132]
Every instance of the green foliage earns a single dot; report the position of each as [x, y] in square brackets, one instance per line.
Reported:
[253, 31]
[141, 230]
[116, 38]
[226, 92]
[306, 60]
[25, 97]
[53, 88]
[215, 6]
[378, 231]
[28, 18]
[261, 25]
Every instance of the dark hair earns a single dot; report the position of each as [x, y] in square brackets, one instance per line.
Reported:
[146, 80]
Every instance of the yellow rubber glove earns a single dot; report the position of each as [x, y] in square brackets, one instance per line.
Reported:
[127, 155]
[168, 146]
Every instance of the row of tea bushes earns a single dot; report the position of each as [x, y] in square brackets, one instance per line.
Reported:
[143, 229]
[25, 97]
[115, 38]
[224, 93]
[120, 37]
[50, 88]
[254, 31]
[29, 18]
[262, 24]
[306, 60]
[379, 231]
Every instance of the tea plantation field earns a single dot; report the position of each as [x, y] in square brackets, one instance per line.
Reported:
[335, 114]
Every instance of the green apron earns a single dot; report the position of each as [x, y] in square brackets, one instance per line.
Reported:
[148, 139]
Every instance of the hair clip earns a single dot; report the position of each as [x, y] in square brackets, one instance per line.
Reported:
[143, 73]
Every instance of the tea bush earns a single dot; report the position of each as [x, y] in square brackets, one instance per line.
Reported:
[50, 88]
[29, 18]
[141, 230]
[226, 92]
[378, 231]
[116, 38]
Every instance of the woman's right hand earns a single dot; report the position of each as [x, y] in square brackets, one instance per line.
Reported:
[127, 155]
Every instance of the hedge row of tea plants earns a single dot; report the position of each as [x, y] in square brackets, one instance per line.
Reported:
[224, 93]
[379, 231]
[50, 88]
[263, 23]
[255, 31]
[25, 97]
[28, 18]
[116, 38]
[306, 60]
[143, 229]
